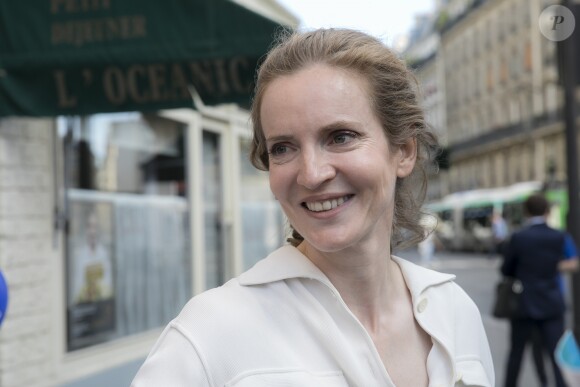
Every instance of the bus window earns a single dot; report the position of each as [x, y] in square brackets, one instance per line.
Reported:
[445, 215]
[477, 215]
[477, 228]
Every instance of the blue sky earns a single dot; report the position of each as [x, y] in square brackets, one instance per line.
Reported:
[386, 19]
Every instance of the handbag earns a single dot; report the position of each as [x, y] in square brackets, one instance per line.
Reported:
[507, 298]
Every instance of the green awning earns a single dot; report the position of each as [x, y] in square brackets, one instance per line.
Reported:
[69, 57]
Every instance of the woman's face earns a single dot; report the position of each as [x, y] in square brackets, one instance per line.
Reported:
[331, 168]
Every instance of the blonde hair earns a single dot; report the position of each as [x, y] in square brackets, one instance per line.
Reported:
[393, 96]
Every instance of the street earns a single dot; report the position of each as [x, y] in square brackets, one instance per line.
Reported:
[477, 275]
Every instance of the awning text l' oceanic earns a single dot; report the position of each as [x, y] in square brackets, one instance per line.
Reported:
[62, 57]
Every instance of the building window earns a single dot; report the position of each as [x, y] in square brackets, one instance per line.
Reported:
[262, 217]
[514, 110]
[551, 97]
[515, 63]
[503, 73]
[526, 5]
[528, 61]
[514, 20]
[216, 241]
[128, 250]
[490, 80]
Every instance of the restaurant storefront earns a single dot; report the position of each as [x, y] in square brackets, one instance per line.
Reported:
[136, 193]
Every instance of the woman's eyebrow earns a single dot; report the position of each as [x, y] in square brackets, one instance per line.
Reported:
[279, 138]
[336, 125]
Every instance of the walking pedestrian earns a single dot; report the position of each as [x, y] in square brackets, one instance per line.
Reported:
[499, 233]
[536, 255]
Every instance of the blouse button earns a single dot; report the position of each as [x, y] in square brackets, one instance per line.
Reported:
[422, 305]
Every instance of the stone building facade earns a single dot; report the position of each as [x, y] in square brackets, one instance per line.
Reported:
[26, 251]
[503, 99]
[224, 200]
[424, 55]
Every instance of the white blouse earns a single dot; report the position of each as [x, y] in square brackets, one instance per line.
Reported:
[283, 323]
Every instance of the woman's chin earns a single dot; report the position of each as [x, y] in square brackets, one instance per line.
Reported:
[328, 244]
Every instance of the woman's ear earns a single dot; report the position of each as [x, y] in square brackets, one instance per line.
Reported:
[407, 157]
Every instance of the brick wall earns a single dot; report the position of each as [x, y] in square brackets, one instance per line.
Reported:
[27, 257]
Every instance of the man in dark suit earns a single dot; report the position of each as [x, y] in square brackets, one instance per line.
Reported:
[536, 255]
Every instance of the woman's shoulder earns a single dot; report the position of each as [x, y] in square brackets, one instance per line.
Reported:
[213, 306]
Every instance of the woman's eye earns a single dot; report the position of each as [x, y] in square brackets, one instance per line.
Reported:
[343, 137]
[278, 149]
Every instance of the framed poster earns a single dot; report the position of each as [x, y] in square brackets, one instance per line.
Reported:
[90, 275]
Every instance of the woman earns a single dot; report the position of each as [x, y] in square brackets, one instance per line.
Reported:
[338, 126]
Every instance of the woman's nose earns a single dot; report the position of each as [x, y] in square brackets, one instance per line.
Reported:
[315, 169]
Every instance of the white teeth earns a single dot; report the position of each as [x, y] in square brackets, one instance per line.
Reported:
[326, 205]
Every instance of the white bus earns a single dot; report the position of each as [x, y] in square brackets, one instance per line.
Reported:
[464, 218]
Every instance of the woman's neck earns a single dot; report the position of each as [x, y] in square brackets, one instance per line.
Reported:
[368, 280]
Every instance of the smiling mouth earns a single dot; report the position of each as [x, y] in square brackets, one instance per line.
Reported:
[326, 205]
